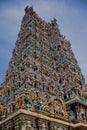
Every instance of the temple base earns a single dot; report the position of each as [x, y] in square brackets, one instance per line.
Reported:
[24, 120]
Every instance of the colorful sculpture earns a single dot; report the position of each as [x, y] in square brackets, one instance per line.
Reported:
[43, 74]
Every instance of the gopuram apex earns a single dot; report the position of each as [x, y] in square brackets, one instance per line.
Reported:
[43, 88]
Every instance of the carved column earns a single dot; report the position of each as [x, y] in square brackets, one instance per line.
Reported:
[27, 122]
[51, 126]
[3, 127]
[42, 124]
[69, 128]
[20, 122]
[17, 123]
[17, 127]
[60, 129]
[29, 126]
[23, 124]
[23, 127]
[55, 127]
[9, 125]
[33, 123]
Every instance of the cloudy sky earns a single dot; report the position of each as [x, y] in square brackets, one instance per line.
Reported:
[71, 16]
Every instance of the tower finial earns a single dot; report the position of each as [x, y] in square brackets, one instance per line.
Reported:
[27, 9]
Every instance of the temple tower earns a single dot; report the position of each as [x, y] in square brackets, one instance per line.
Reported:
[43, 87]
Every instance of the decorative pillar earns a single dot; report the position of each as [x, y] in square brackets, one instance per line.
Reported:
[9, 125]
[22, 123]
[33, 123]
[17, 123]
[3, 127]
[42, 124]
[29, 126]
[17, 127]
[55, 127]
[23, 127]
[43, 127]
[51, 126]
[60, 129]
[69, 128]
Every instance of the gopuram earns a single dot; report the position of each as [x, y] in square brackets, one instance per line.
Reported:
[44, 88]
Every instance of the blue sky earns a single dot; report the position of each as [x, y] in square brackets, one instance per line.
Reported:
[71, 16]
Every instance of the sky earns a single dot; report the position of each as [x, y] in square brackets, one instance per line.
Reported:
[71, 17]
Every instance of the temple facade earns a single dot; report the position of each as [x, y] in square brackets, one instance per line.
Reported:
[44, 88]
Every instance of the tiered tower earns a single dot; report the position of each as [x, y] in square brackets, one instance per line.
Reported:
[43, 75]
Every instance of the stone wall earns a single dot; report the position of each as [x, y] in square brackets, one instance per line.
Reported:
[29, 122]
